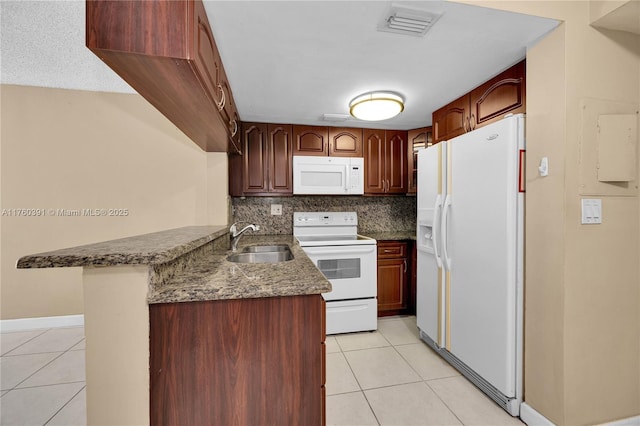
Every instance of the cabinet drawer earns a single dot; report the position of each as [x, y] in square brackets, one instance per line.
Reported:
[391, 250]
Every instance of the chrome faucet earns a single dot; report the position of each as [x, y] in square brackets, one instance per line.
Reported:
[235, 234]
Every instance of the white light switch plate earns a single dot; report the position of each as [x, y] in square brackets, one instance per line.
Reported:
[276, 209]
[591, 211]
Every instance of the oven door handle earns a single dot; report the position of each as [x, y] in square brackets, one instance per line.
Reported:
[332, 250]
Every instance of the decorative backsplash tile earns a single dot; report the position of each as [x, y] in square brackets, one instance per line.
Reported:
[375, 214]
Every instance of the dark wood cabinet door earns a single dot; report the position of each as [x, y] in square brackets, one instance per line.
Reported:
[374, 159]
[255, 155]
[345, 142]
[417, 139]
[503, 94]
[451, 120]
[393, 278]
[310, 140]
[396, 161]
[237, 362]
[280, 159]
[208, 64]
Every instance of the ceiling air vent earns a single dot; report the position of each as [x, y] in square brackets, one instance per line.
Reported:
[403, 20]
[336, 117]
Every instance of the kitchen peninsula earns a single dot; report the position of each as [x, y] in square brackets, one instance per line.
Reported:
[175, 333]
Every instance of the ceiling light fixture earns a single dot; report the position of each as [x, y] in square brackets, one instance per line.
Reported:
[376, 106]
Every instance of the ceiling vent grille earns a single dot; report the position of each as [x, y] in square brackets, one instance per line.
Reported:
[403, 20]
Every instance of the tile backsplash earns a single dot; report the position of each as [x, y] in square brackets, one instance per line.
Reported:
[375, 214]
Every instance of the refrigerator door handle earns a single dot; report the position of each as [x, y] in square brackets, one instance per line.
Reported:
[443, 233]
[436, 230]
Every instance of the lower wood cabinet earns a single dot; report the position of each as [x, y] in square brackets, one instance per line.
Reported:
[393, 278]
[249, 361]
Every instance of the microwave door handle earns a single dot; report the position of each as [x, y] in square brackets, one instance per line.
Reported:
[347, 179]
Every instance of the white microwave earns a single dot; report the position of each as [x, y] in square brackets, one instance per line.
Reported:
[328, 175]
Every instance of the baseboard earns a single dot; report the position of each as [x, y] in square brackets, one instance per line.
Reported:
[631, 421]
[531, 417]
[26, 324]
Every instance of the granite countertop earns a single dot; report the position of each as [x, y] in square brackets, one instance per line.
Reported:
[215, 278]
[392, 236]
[147, 249]
[185, 268]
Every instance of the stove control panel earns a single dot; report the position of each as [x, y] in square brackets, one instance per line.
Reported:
[325, 219]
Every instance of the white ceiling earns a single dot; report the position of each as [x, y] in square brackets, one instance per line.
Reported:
[293, 61]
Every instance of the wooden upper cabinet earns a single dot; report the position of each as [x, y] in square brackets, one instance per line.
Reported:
[166, 51]
[310, 140]
[417, 139]
[385, 161]
[374, 159]
[265, 166]
[323, 141]
[345, 142]
[255, 154]
[280, 159]
[451, 120]
[501, 95]
[208, 64]
[396, 162]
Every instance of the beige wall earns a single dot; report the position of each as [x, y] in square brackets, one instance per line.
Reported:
[67, 149]
[582, 309]
[545, 239]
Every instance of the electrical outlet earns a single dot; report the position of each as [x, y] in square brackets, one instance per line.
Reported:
[276, 209]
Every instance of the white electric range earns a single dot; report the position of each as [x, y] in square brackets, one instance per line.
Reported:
[348, 260]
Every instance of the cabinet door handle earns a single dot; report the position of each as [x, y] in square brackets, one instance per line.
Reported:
[220, 104]
[405, 266]
[235, 127]
[238, 150]
[472, 121]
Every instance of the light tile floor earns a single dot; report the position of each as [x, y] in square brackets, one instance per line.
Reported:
[390, 377]
[42, 377]
[386, 377]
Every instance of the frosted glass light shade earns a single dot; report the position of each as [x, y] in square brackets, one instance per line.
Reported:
[376, 106]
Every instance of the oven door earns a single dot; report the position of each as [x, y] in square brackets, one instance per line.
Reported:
[352, 270]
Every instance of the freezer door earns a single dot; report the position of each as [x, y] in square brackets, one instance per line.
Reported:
[429, 301]
[484, 250]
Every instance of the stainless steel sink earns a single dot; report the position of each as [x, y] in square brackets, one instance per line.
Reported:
[261, 257]
[261, 249]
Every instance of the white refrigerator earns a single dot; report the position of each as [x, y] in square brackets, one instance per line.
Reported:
[470, 255]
